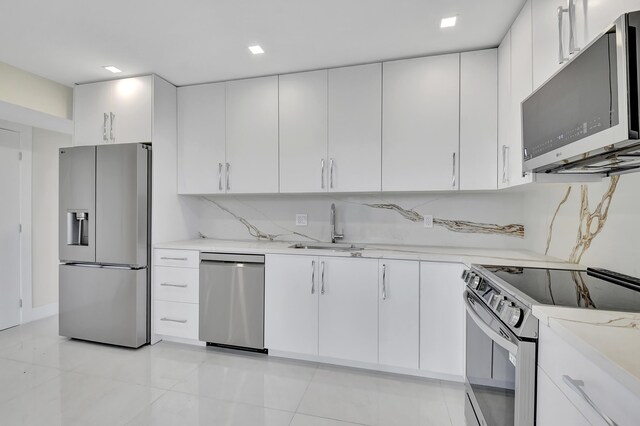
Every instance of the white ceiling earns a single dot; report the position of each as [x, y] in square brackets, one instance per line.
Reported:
[195, 41]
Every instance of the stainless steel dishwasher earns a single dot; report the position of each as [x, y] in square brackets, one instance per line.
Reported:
[232, 300]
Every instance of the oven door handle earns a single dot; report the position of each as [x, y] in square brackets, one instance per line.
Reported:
[493, 335]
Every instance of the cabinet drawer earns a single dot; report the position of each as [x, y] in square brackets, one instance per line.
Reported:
[561, 361]
[176, 319]
[176, 284]
[179, 258]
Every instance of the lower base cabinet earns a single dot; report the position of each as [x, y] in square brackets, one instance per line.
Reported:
[554, 408]
[349, 309]
[399, 310]
[291, 304]
[442, 314]
[322, 306]
[399, 314]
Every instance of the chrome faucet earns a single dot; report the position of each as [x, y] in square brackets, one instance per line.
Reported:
[332, 223]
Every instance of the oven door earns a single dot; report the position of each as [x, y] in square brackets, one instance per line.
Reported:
[500, 370]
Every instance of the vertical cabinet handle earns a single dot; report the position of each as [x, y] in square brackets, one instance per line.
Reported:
[313, 276]
[384, 282]
[104, 127]
[505, 161]
[322, 173]
[220, 177]
[112, 117]
[331, 173]
[453, 182]
[227, 180]
[322, 277]
[561, 58]
[576, 386]
[572, 28]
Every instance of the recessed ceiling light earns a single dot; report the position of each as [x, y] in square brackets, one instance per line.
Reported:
[256, 49]
[112, 69]
[448, 22]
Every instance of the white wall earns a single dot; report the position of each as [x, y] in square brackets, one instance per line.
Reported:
[45, 215]
[31, 91]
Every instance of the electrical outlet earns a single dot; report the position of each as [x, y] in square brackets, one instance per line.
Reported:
[428, 221]
[301, 220]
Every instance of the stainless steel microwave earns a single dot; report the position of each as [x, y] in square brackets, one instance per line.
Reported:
[585, 118]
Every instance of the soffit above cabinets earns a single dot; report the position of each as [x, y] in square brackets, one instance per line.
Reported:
[194, 41]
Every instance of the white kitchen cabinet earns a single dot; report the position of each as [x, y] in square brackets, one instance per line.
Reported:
[252, 135]
[442, 314]
[201, 139]
[593, 16]
[478, 120]
[546, 59]
[564, 364]
[521, 87]
[328, 119]
[399, 310]
[348, 309]
[504, 108]
[303, 132]
[420, 131]
[175, 293]
[291, 303]
[553, 407]
[355, 128]
[116, 111]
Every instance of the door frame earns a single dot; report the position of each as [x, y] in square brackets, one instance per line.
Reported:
[24, 182]
[22, 120]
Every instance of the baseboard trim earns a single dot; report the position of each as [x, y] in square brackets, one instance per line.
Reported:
[39, 312]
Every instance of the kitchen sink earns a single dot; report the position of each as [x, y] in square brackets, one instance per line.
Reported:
[327, 246]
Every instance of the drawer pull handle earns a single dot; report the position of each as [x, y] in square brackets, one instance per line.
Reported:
[576, 386]
[182, 259]
[173, 320]
[173, 285]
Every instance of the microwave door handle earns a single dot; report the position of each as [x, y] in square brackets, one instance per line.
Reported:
[496, 337]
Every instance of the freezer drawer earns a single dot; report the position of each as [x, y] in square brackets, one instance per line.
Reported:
[232, 300]
[107, 305]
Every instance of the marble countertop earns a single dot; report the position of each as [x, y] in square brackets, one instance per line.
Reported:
[400, 252]
[611, 340]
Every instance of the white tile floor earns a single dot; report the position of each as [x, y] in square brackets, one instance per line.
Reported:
[46, 379]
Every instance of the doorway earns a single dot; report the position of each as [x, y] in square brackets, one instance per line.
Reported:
[9, 228]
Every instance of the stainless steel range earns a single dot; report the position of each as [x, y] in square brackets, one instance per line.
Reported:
[502, 333]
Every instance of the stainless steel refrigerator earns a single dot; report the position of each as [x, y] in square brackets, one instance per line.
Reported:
[104, 243]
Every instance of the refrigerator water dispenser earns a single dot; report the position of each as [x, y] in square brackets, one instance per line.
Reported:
[78, 228]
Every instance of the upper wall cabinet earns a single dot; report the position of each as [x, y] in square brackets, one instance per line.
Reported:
[420, 131]
[478, 120]
[252, 136]
[201, 136]
[117, 111]
[504, 108]
[303, 132]
[328, 119]
[551, 47]
[520, 80]
[355, 128]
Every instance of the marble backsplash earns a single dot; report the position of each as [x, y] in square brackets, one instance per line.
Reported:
[487, 219]
[595, 224]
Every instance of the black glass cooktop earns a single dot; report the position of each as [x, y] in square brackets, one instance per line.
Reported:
[592, 289]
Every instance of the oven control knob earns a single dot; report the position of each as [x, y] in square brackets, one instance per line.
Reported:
[465, 273]
[476, 283]
[514, 316]
[469, 277]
